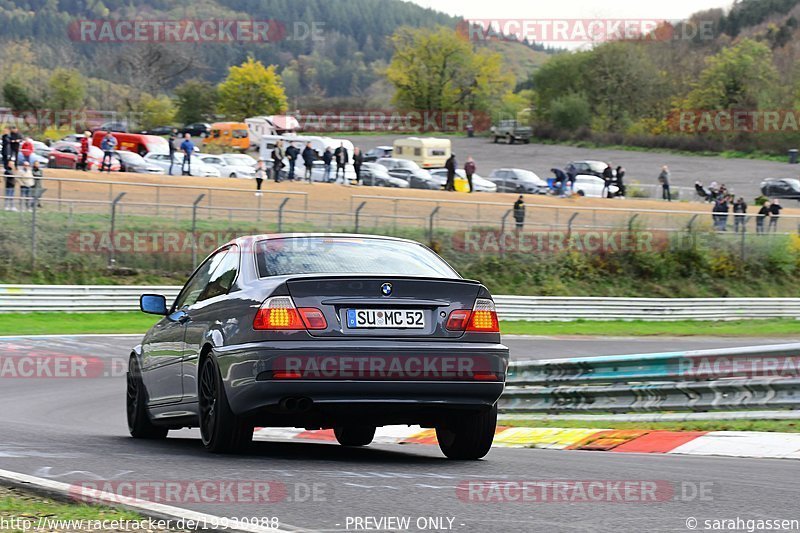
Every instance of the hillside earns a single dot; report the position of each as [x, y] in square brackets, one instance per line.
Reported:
[345, 62]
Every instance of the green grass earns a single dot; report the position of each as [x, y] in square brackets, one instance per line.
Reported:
[74, 323]
[50, 323]
[18, 504]
[784, 426]
[739, 328]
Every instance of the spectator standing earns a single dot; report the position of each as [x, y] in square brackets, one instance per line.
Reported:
[608, 179]
[620, 182]
[469, 170]
[11, 183]
[450, 165]
[108, 144]
[187, 147]
[277, 161]
[327, 158]
[26, 183]
[309, 156]
[37, 183]
[519, 212]
[739, 218]
[83, 162]
[358, 160]
[173, 140]
[26, 149]
[16, 139]
[292, 152]
[762, 214]
[774, 214]
[260, 173]
[663, 179]
[720, 213]
[342, 158]
[6, 147]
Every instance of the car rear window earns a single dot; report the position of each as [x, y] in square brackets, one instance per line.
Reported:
[340, 255]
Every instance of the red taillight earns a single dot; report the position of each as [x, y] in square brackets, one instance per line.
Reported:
[481, 319]
[484, 317]
[458, 320]
[313, 318]
[278, 313]
[286, 375]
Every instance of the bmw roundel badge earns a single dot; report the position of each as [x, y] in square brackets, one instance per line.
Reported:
[386, 289]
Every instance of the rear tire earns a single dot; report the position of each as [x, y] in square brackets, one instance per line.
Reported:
[139, 424]
[468, 437]
[220, 429]
[354, 435]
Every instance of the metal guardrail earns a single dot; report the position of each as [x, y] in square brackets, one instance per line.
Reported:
[76, 298]
[698, 381]
[23, 298]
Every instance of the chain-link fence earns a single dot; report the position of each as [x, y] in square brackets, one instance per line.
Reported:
[168, 229]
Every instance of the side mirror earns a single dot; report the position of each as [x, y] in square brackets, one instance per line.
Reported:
[155, 304]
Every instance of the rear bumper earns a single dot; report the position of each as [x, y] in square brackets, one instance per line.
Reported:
[253, 390]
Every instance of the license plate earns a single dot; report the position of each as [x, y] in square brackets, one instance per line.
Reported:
[385, 318]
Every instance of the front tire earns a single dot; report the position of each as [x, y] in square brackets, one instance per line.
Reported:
[468, 437]
[139, 424]
[354, 435]
[220, 429]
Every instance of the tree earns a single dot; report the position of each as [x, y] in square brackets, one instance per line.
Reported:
[570, 112]
[741, 77]
[196, 101]
[251, 89]
[67, 89]
[155, 111]
[17, 96]
[437, 70]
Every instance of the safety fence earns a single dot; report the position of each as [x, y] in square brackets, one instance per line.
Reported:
[731, 379]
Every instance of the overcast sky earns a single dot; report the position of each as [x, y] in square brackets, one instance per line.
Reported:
[671, 10]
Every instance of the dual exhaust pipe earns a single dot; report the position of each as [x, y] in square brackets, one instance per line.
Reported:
[296, 404]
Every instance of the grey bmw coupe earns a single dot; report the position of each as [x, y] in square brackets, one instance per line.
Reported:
[349, 332]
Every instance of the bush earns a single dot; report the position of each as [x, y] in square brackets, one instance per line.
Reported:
[570, 112]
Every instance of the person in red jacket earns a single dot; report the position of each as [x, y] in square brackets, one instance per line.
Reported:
[86, 142]
[26, 149]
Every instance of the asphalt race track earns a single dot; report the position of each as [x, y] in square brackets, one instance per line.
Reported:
[73, 430]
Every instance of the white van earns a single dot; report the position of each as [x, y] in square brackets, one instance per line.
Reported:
[427, 152]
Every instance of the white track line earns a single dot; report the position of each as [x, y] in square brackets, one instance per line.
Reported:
[153, 510]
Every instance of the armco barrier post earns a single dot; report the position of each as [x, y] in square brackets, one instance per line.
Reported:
[280, 214]
[194, 228]
[358, 214]
[503, 231]
[114, 203]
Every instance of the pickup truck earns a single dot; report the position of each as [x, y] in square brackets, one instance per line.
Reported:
[511, 131]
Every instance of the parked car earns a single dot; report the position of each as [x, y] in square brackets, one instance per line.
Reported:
[586, 168]
[232, 165]
[377, 175]
[517, 180]
[786, 188]
[41, 148]
[378, 152]
[159, 130]
[591, 187]
[479, 184]
[121, 127]
[199, 168]
[198, 129]
[133, 162]
[67, 154]
[511, 131]
[72, 138]
[409, 171]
